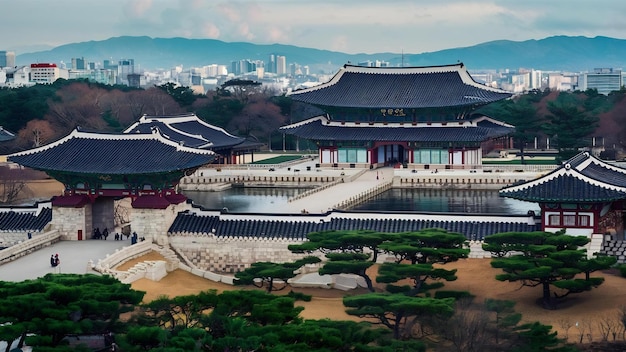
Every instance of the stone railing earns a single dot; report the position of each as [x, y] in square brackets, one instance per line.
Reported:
[123, 255]
[189, 181]
[364, 196]
[314, 190]
[28, 246]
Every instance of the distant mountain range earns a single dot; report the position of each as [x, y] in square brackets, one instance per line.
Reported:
[561, 53]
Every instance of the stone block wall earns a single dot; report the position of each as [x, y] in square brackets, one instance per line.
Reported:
[69, 221]
[10, 238]
[154, 223]
[231, 255]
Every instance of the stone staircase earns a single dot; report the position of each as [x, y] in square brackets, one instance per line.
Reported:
[615, 248]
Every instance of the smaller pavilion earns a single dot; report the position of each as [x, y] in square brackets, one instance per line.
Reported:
[585, 195]
[97, 169]
[191, 131]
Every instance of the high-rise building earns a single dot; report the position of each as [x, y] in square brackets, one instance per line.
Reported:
[281, 65]
[125, 67]
[271, 66]
[109, 65]
[7, 59]
[78, 63]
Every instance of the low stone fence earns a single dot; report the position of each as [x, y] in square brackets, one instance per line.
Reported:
[460, 181]
[11, 238]
[364, 196]
[123, 255]
[29, 245]
[314, 190]
[231, 254]
[196, 182]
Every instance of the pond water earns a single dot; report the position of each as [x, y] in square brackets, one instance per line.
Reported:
[257, 200]
[244, 199]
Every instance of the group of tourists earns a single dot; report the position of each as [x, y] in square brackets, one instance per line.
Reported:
[97, 235]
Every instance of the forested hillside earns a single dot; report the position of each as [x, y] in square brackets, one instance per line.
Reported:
[44, 113]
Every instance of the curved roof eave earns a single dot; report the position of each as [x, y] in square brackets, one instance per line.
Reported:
[98, 153]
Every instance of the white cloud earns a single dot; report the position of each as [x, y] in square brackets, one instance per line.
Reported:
[412, 26]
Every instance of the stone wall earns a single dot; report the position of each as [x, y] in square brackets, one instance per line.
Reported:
[11, 238]
[28, 246]
[233, 254]
[69, 221]
[154, 223]
[230, 255]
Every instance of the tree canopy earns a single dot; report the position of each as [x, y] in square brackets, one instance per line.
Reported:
[44, 311]
[416, 253]
[546, 259]
[265, 274]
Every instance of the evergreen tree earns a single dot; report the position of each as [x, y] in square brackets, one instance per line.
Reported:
[570, 125]
[546, 259]
[44, 311]
[421, 249]
[265, 274]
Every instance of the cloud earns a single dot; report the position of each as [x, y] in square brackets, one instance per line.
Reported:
[139, 7]
[209, 30]
[347, 25]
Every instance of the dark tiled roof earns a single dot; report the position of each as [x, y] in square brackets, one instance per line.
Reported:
[25, 221]
[188, 129]
[400, 87]
[298, 229]
[565, 188]
[597, 169]
[582, 179]
[319, 128]
[113, 154]
[6, 135]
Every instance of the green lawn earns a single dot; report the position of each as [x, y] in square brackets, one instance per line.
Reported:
[527, 161]
[278, 159]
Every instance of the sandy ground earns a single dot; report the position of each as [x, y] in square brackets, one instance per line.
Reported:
[589, 309]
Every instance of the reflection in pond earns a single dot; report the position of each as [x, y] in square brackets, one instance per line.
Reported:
[261, 200]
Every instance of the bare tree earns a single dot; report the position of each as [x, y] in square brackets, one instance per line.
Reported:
[565, 324]
[608, 326]
[13, 182]
[467, 330]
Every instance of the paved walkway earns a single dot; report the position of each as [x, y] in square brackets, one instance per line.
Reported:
[326, 199]
[74, 256]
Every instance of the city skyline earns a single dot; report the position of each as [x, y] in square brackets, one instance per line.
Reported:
[346, 26]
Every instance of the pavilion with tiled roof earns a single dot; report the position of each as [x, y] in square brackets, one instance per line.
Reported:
[191, 131]
[585, 195]
[412, 115]
[99, 168]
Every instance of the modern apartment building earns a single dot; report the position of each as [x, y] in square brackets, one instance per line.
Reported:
[44, 73]
[605, 80]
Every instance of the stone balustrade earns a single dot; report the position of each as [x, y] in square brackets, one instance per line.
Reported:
[29, 245]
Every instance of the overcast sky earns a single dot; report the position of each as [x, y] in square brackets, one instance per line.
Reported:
[366, 26]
